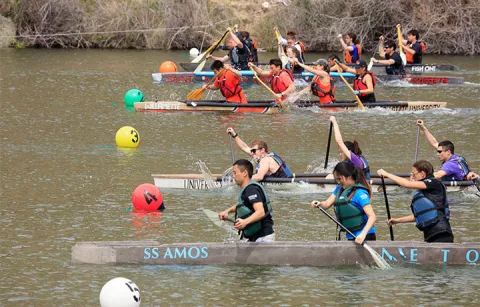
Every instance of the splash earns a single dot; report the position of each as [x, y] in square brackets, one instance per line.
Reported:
[206, 174]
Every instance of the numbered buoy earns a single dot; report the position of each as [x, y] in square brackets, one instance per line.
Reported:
[147, 197]
[120, 292]
[194, 52]
[133, 96]
[127, 137]
[167, 66]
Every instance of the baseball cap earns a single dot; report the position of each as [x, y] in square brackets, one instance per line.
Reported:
[360, 64]
[322, 62]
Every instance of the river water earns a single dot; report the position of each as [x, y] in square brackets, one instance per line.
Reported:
[63, 181]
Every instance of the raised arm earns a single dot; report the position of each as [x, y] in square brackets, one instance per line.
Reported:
[345, 68]
[308, 68]
[430, 138]
[339, 139]
[420, 185]
[344, 46]
[381, 49]
[241, 144]
[223, 59]
[235, 38]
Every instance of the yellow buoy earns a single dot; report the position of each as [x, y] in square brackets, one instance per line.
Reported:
[127, 137]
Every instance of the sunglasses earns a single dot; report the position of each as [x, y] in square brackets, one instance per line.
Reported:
[440, 151]
[254, 150]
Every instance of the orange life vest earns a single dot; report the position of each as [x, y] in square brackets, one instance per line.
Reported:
[303, 49]
[349, 59]
[410, 56]
[326, 93]
[279, 87]
[230, 88]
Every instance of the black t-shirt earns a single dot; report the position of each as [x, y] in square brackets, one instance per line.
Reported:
[417, 57]
[254, 194]
[239, 57]
[395, 68]
[436, 194]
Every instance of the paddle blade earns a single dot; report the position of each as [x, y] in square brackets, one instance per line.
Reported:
[213, 216]
[382, 264]
[199, 57]
[404, 58]
[200, 66]
[370, 65]
[196, 94]
[284, 59]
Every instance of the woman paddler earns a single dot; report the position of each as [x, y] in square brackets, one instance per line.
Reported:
[322, 84]
[364, 82]
[429, 205]
[350, 152]
[352, 201]
[292, 54]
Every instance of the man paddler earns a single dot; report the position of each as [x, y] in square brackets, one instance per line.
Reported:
[351, 48]
[322, 84]
[393, 62]
[253, 212]
[454, 168]
[228, 82]
[282, 80]
[268, 163]
[413, 47]
[364, 81]
[238, 54]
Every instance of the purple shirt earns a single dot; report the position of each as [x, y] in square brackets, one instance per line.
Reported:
[453, 169]
[356, 160]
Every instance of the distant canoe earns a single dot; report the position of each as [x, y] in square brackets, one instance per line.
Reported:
[271, 107]
[377, 68]
[249, 79]
[198, 182]
[315, 254]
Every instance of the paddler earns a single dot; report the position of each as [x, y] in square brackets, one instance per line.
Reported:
[322, 84]
[292, 54]
[352, 201]
[351, 47]
[429, 204]
[454, 168]
[281, 79]
[350, 152]
[268, 163]
[364, 81]
[414, 49]
[393, 61]
[293, 42]
[238, 54]
[228, 82]
[253, 212]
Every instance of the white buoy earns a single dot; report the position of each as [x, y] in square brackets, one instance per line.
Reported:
[194, 52]
[120, 292]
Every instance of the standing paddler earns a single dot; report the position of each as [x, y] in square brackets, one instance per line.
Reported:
[253, 212]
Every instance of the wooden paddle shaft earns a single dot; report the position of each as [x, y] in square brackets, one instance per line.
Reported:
[261, 82]
[399, 34]
[360, 104]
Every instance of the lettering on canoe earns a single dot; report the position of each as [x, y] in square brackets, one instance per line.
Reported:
[193, 252]
[199, 184]
[178, 79]
[416, 107]
[424, 68]
[161, 106]
[428, 80]
[411, 255]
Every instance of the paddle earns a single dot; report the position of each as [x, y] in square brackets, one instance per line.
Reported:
[370, 64]
[283, 57]
[376, 257]
[215, 46]
[360, 104]
[199, 57]
[416, 146]
[400, 38]
[387, 207]
[198, 93]
[328, 145]
[213, 216]
[231, 149]
[266, 86]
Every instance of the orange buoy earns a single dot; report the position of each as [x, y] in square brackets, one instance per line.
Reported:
[167, 66]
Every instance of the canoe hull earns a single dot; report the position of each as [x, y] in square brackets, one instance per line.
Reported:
[248, 78]
[329, 253]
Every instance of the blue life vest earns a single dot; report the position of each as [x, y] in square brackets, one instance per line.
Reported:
[463, 165]
[428, 212]
[366, 167]
[283, 171]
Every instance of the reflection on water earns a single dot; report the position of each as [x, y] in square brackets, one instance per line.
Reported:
[64, 181]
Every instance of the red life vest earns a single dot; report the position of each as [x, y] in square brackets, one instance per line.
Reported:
[278, 86]
[326, 93]
[230, 88]
[358, 84]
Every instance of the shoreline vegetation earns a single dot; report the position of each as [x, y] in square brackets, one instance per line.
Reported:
[447, 26]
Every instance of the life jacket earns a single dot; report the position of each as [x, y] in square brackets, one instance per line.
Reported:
[428, 212]
[411, 57]
[279, 87]
[243, 212]
[297, 69]
[326, 93]
[463, 165]
[229, 85]
[252, 47]
[366, 167]
[395, 69]
[359, 85]
[239, 61]
[283, 171]
[347, 214]
[302, 49]
[354, 55]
